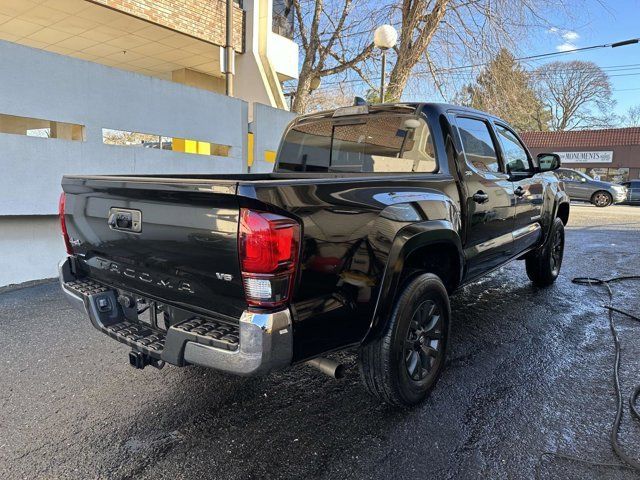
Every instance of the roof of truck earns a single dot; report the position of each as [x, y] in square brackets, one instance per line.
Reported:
[415, 106]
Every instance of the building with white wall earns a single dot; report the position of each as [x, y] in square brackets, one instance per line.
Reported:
[177, 40]
[74, 74]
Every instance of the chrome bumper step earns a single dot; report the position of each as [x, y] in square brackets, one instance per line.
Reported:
[260, 343]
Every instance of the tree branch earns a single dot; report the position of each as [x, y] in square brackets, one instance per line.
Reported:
[347, 64]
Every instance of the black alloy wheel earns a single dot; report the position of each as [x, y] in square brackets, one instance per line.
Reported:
[402, 366]
[557, 250]
[423, 350]
[543, 264]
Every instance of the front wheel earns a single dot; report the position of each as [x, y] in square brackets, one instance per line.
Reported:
[543, 264]
[403, 365]
[602, 199]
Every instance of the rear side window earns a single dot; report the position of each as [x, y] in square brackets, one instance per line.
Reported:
[515, 155]
[374, 143]
[306, 147]
[478, 145]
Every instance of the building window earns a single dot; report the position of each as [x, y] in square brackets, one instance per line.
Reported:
[283, 18]
[161, 142]
[36, 127]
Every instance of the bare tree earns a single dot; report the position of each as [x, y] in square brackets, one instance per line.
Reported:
[578, 94]
[440, 34]
[329, 98]
[632, 118]
[324, 31]
[118, 137]
[418, 25]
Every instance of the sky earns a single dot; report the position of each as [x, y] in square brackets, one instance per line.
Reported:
[588, 23]
[601, 23]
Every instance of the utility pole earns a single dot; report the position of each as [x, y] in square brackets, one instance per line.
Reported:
[229, 53]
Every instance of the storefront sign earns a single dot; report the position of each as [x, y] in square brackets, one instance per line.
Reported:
[586, 157]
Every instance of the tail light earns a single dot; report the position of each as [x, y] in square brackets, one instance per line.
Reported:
[63, 223]
[268, 246]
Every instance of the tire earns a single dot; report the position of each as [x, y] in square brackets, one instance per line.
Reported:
[402, 367]
[543, 265]
[601, 199]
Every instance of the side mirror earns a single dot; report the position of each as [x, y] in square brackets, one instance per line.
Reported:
[548, 162]
[583, 180]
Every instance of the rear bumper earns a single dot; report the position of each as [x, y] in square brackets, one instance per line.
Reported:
[265, 339]
[265, 345]
[65, 275]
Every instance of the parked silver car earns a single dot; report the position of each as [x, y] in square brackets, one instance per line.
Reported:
[582, 187]
[633, 192]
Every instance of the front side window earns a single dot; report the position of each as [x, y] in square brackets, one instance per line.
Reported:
[373, 143]
[514, 154]
[478, 145]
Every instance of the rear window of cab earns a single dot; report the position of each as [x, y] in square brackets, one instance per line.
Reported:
[383, 142]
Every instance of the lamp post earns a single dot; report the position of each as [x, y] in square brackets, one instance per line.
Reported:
[384, 38]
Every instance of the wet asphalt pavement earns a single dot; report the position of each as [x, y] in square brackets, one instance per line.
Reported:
[529, 371]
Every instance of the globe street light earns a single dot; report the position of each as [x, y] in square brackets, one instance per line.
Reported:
[315, 83]
[384, 38]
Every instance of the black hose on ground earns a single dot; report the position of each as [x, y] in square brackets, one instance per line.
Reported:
[629, 462]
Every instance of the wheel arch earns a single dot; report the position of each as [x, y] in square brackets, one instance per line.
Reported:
[426, 247]
[558, 206]
[563, 212]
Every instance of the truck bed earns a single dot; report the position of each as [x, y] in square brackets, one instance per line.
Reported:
[186, 254]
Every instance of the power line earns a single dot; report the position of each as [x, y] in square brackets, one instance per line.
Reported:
[471, 76]
[529, 57]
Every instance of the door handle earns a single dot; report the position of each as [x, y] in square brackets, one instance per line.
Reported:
[519, 191]
[480, 197]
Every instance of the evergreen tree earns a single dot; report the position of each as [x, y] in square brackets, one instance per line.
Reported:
[505, 89]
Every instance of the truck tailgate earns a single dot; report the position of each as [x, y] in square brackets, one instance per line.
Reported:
[173, 241]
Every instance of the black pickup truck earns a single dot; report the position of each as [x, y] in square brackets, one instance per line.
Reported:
[374, 216]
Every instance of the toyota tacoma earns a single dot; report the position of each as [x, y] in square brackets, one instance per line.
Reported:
[373, 217]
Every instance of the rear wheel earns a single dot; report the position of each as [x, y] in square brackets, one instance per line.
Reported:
[602, 199]
[402, 366]
[543, 265]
